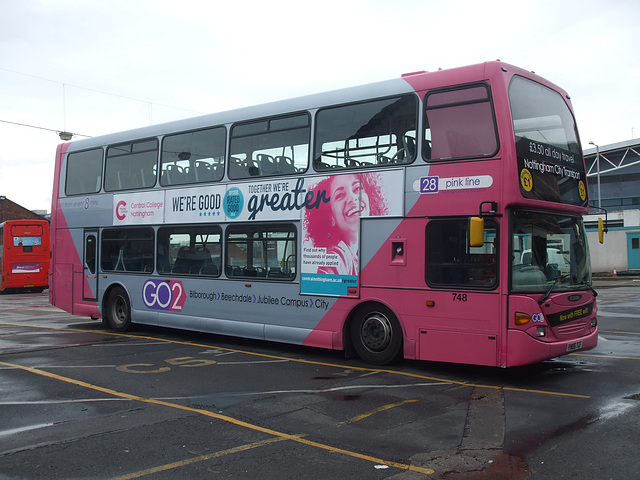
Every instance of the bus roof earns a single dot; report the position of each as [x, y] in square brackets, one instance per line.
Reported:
[405, 84]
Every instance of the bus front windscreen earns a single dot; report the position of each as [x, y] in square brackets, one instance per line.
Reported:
[549, 253]
[550, 162]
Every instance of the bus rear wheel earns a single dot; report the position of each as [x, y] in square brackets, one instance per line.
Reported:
[376, 335]
[118, 310]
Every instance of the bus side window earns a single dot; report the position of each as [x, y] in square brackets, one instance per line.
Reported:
[452, 262]
[189, 250]
[131, 165]
[273, 146]
[84, 172]
[367, 134]
[459, 124]
[193, 157]
[266, 251]
[127, 249]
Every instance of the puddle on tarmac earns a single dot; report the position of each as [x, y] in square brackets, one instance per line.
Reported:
[346, 398]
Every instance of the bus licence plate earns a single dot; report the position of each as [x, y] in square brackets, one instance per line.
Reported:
[28, 285]
[572, 347]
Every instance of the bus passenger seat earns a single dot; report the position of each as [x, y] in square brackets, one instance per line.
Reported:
[236, 271]
[210, 270]
[148, 177]
[203, 172]
[250, 271]
[285, 164]
[183, 260]
[275, 272]
[267, 164]
[237, 169]
[216, 172]
[410, 149]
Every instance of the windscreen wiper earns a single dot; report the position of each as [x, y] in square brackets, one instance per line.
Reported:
[548, 292]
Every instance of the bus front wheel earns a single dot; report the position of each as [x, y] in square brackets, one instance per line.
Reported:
[376, 335]
[118, 310]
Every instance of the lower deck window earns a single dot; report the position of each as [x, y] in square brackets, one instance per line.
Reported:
[189, 250]
[267, 251]
[451, 262]
[127, 250]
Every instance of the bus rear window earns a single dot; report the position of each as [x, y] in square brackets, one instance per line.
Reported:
[26, 231]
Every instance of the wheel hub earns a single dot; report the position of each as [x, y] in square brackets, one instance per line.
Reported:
[376, 332]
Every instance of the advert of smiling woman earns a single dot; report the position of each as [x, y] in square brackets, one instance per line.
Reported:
[334, 226]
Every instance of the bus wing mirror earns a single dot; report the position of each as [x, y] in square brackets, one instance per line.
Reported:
[476, 231]
[600, 230]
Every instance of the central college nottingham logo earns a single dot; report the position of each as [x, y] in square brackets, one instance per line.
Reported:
[121, 210]
[164, 295]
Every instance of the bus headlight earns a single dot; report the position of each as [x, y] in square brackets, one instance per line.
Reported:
[594, 322]
[541, 331]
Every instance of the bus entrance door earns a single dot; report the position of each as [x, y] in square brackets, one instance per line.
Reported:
[90, 262]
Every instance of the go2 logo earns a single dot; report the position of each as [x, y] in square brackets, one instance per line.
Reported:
[164, 295]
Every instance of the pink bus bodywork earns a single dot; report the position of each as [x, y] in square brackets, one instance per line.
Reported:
[391, 301]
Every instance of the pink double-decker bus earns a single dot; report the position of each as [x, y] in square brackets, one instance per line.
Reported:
[437, 216]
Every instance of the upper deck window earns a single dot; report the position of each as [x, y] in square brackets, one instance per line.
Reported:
[193, 157]
[131, 165]
[84, 172]
[459, 123]
[541, 114]
[367, 134]
[272, 146]
[550, 163]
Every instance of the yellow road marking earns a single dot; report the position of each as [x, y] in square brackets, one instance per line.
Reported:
[377, 410]
[202, 458]
[310, 362]
[225, 418]
[133, 368]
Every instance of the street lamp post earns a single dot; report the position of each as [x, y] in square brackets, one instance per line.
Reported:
[598, 169]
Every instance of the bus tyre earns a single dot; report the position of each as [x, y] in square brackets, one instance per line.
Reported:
[376, 335]
[118, 310]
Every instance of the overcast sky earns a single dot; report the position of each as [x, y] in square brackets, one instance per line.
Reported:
[95, 67]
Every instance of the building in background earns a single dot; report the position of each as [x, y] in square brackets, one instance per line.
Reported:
[12, 211]
[614, 184]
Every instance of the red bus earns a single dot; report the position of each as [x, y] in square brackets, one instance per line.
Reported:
[24, 255]
[436, 216]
